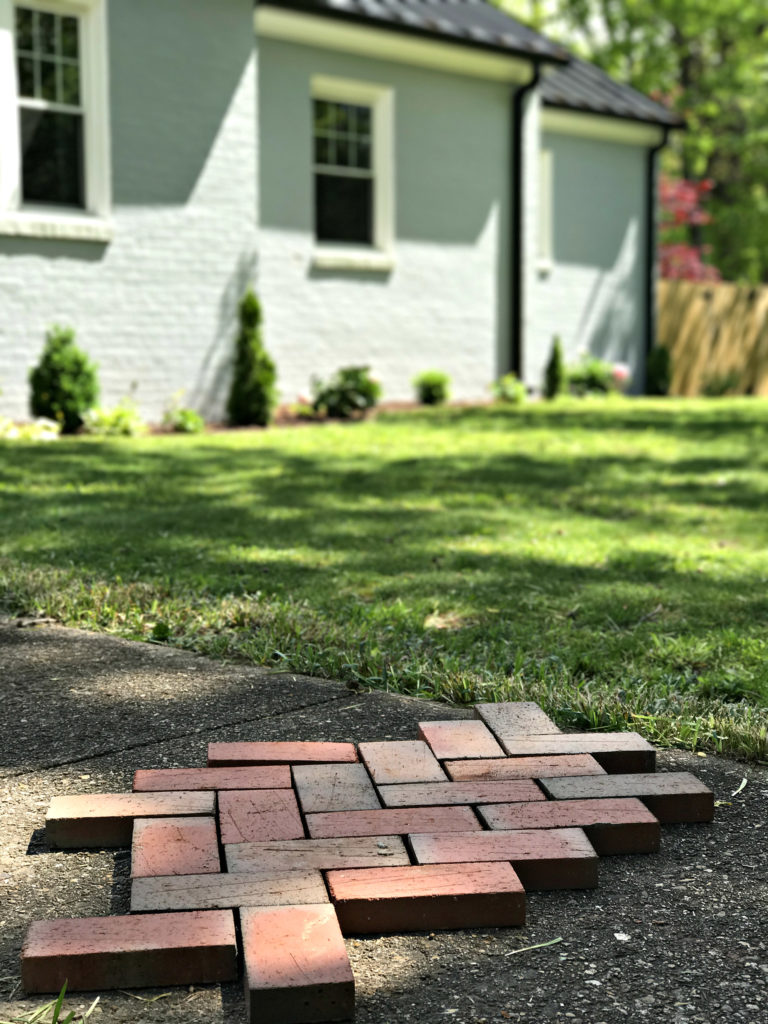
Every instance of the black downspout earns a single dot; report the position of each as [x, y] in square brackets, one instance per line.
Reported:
[650, 246]
[516, 225]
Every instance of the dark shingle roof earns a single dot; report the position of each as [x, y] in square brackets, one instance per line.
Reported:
[465, 22]
[571, 84]
[584, 87]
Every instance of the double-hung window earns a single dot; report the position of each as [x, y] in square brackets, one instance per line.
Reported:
[352, 152]
[54, 139]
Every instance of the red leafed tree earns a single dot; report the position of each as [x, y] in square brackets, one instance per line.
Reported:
[682, 217]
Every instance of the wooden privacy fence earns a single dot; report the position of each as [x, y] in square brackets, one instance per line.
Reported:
[717, 335]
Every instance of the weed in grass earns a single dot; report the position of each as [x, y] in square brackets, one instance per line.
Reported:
[51, 1012]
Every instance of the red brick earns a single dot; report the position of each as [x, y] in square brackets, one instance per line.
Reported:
[227, 755]
[543, 858]
[129, 952]
[426, 898]
[443, 794]
[612, 826]
[671, 796]
[168, 779]
[615, 751]
[296, 966]
[215, 892]
[334, 787]
[523, 768]
[359, 852]
[174, 846]
[515, 718]
[390, 762]
[259, 815]
[392, 821]
[106, 819]
[460, 739]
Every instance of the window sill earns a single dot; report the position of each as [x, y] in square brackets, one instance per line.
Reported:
[373, 260]
[77, 227]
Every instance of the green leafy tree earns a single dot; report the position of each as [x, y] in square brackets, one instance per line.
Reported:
[708, 60]
[64, 384]
[253, 395]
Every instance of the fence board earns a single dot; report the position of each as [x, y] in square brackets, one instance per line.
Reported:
[713, 330]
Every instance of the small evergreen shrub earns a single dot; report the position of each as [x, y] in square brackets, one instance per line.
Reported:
[350, 392]
[555, 378]
[253, 395]
[509, 389]
[64, 384]
[122, 421]
[432, 387]
[658, 371]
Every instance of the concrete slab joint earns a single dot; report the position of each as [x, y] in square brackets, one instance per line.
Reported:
[304, 843]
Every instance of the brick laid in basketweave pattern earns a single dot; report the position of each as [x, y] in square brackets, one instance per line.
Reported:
[445, 831]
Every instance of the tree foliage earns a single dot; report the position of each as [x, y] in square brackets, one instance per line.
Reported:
[708, 60]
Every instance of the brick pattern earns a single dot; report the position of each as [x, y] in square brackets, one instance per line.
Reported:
[446, 831]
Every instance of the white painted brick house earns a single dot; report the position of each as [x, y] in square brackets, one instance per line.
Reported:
[407, 183]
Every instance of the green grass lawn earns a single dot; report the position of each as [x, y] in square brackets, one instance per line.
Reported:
[608, 559]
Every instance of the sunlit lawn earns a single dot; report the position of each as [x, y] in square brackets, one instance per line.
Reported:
[608, 559]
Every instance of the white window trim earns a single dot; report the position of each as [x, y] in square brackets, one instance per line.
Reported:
[380, 256]
[545, 255]
[93, 223]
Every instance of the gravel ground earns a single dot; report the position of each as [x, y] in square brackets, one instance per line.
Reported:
[679, 937]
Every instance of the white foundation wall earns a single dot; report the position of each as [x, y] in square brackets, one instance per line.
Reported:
[444, 305]
[592, 292]
[156, 307]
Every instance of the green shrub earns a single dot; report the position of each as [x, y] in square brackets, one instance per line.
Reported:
[253, 395]
[591, 376]
[350, 392]
[555, 379]
[122, 421]
[658, 371]
[715, 385]
[510, 389]
[181, 420]
[432, 387]
[64, 383]
[41, 429]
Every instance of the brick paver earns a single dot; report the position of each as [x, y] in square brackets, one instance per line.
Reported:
[459, 739]
[671, 796]
[258, 815]
[445, 831]
[427, 898]
[612, 826]
[227, 755]
[129, 952]
[168, 779]
[334, 787]
[394, 821]
[212, 892]
[543, 858]
[296, 966]
[96, 820]
[497, 769]
[354, 852]
[174, 846]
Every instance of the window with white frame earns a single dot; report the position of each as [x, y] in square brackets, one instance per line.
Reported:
[352, 164]
[50, 107]
[54, 136]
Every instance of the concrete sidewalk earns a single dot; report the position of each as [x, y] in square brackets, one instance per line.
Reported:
[676, 937]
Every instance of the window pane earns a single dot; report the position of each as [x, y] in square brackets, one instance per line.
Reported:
[47, 30]
[342, 153]
[70, 84]
[322, 151]
[24, 33]
[52, 158]
[26, 76]
[364, 120]
[343, 209]
[69, 41]
[48, 80]
[364, 154]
